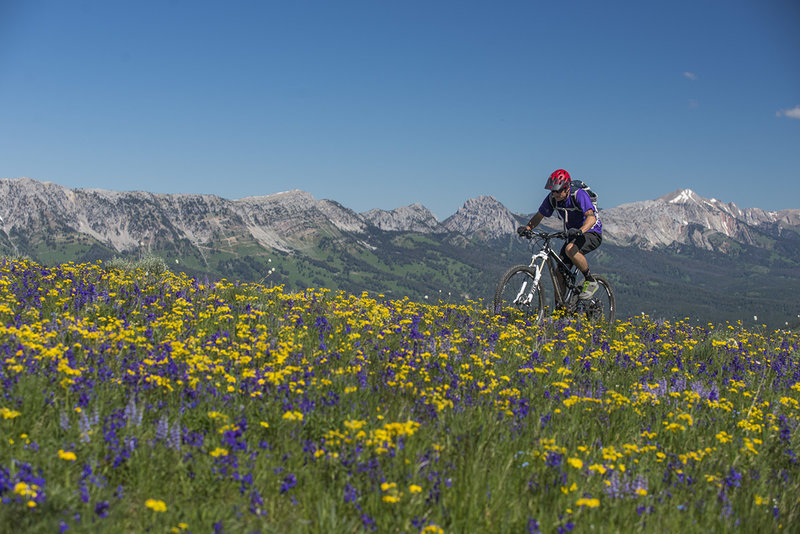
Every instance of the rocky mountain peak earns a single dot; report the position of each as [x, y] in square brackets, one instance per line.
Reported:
[681, 196]
[294, 220]
[483, 216]
[689, 197]
[412, 218]
[685, 217]
[125, 221]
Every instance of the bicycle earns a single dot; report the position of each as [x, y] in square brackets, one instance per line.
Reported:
[521, 286]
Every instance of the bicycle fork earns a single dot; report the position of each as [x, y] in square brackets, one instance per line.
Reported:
[526, 297]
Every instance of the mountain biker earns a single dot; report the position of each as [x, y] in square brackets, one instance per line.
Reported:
[584, 230]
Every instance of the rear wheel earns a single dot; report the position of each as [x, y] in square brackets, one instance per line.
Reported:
[516, 290]
[602, 306]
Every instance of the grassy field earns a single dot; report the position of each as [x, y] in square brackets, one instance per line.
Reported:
[142, 402]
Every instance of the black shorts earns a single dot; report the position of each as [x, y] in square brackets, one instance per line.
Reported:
[586, 243]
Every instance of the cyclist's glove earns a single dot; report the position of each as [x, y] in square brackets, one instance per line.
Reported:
[522, 231]
[573, 233]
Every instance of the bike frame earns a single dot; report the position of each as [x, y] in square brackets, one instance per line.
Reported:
[547, 256]
[529, 294]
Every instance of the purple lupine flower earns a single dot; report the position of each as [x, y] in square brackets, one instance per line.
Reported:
[350, 493]
[231, 439]
[101, 509]
[84, 492]
[734, 479]
[195, 439]
[64, 422]
[615, 489]
[85, 427]
[174, 440]
[162, 428]
[554, 459]
[368, 522]
[533, 526]
[132, 413]
[256, 503]
[131, 442]
[543, 420]
[289, 481]
[786, 432]
[322, 324]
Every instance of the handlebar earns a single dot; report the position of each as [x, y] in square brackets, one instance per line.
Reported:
[530, 234]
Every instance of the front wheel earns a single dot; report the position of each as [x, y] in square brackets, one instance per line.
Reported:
[601, 307]
[517, 290]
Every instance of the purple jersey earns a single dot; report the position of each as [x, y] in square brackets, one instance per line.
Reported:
[575, 214]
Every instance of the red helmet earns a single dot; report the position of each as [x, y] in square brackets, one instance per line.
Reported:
[558, 180]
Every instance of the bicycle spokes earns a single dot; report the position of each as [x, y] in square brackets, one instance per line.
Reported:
[517, 290]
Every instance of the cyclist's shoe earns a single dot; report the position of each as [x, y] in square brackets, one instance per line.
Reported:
[589, 289]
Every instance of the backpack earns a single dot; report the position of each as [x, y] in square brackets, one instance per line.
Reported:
[575, 185]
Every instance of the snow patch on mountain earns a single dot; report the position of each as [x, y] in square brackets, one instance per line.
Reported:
[685, 217]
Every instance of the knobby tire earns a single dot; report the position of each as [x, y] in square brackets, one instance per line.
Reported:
[510, 285]
[605, 296]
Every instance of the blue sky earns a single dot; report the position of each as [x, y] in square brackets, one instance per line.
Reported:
[380, 104]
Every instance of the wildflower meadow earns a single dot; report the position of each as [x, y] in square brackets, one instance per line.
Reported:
[135, 401]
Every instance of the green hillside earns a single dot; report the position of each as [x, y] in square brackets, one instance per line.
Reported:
[673, 282]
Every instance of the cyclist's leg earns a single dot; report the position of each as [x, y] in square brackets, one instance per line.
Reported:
[577, 258]
[577, 249]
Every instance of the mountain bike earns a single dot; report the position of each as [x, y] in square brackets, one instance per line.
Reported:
[522, 288]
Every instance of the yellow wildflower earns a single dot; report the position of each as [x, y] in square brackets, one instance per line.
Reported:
[67, 455]
[156, 505]
[589, 503]
[9, 414]
[577, 463]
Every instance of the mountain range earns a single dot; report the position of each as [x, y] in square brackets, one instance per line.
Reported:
[680, 255]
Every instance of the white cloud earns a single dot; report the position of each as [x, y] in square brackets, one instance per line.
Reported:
[690, 75]
[793, 113]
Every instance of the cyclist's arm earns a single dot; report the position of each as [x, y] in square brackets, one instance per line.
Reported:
[535, 220]
[588, 222]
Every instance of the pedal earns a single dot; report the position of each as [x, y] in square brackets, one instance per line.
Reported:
[573, 302]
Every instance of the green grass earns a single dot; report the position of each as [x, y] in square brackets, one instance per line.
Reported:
[247, 408]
